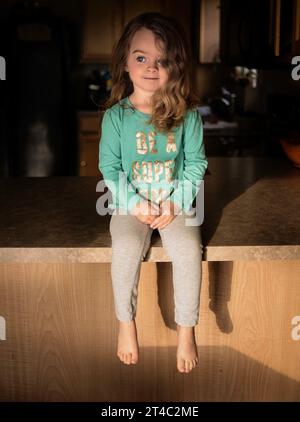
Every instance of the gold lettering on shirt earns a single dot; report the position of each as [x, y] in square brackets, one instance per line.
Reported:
[147, 171]
[141, 144]
[158, 169]
[136, 171]
[152, 142]
[142, 147]
[171, 144]
[169, 171]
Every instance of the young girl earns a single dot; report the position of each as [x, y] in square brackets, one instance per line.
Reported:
[152, 137]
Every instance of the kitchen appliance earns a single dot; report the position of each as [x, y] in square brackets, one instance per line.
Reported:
[41, 126]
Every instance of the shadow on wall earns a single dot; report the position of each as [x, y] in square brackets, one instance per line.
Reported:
[220, 277]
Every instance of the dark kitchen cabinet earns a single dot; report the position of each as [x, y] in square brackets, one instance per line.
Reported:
[246, 38]
[261, 34]
[89, 135]
[103, 23]
[205, 28]
[296, 43]
[287, 17]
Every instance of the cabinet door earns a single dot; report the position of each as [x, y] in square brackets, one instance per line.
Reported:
[104, 23]
[89, 125]
[285, 32]
[101, 29]
[208, 31]
[133, 8]
[296, 43]
[182, 12]
[246, 33]
[89, 157]
[286, 29]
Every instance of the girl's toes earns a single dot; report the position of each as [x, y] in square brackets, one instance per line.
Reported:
[180, 365]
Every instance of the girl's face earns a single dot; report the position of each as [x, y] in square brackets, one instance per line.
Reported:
[144, 62]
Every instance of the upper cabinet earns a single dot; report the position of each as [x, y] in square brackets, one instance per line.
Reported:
[286, 19]
[259, 33]
[208, 22]
[102, 26]
[296, 44]
[104, 22]
[245, 33]
[133, 8]
[252, 33]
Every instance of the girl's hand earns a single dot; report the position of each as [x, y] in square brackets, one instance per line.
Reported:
[145, 212]
[166, 217]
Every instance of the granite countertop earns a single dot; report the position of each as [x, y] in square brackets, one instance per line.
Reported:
[251, 213]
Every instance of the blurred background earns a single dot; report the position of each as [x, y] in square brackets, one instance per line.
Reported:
[58, 57]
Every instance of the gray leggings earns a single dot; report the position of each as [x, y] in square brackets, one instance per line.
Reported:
[130, 243]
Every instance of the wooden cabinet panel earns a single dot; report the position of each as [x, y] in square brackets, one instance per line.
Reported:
[62, 332]
[104, 23]
[89, 127]
[89, 157]
[182, 12]
[133, 8]
[296, 43]
[102, 27]
[245, 33]
[259, 34]
[209, 31]
[285, 31]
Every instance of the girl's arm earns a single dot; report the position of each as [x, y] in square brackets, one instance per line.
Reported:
[195, 162]
[110, 165]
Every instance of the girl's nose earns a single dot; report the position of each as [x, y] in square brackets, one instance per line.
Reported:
[153, 66]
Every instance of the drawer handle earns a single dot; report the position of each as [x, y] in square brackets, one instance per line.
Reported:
[83, 163]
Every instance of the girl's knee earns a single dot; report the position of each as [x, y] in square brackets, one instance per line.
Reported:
[130, 242]
[185, 251]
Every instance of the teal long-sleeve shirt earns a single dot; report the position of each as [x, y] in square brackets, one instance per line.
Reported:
[139, 163]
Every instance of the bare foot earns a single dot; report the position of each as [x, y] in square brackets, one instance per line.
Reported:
[128, 349]
[187, 356]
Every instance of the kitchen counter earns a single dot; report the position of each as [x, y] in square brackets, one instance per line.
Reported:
[58, 330]
[251, 213]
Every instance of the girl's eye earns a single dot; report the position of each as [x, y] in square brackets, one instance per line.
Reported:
[140, 57]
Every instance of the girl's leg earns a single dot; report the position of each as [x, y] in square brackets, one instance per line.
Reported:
[130, 243]
[184, 246]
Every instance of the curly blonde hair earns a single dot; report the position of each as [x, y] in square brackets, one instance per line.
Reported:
[170, 103]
